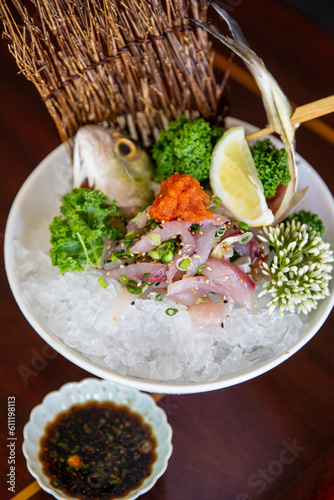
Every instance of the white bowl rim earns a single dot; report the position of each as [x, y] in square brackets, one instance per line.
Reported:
[86, 383]
[154, 386]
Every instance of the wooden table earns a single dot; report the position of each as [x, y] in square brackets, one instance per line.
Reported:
[268, 438]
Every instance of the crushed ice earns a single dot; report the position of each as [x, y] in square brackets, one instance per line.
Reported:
[145, 342]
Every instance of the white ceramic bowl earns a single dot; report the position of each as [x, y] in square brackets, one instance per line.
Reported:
[34, 201]
[92, 389]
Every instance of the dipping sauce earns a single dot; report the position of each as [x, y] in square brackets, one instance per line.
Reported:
[97, 450]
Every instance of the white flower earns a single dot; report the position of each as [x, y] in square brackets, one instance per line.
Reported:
[300, 271]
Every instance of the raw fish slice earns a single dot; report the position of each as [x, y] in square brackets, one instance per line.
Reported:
[166, 231]
[187, 291]
[205, 314]
[239, 285]
[156, 272]
[204, 240]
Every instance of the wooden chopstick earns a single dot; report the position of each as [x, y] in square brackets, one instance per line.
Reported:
[244, 78]
[302, 114]
[27, 492]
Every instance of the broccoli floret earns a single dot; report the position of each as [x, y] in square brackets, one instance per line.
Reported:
[272, 166]
[186, 148]
[312, 220]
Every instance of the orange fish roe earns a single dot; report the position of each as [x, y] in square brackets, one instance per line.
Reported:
[74, 461]
[180, 197]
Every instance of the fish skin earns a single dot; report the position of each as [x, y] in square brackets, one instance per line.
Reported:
[276, 103]
[98, 163]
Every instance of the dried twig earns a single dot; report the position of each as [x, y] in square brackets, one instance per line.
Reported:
[133, 64]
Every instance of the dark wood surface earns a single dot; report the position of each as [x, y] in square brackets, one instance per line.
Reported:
[268, 438]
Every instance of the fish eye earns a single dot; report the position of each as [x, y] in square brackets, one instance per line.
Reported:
[126, 148]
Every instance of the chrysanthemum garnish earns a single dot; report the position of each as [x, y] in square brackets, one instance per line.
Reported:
[300, 270]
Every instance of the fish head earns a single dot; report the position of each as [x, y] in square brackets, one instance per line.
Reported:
[110, 161]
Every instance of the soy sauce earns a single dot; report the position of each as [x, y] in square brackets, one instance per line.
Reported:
[98, 450]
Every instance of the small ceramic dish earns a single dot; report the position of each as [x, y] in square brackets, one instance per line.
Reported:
[92, 389]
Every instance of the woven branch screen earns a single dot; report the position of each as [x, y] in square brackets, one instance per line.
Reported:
[134, 65]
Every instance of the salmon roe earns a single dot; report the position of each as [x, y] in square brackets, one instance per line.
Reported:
[180, 197]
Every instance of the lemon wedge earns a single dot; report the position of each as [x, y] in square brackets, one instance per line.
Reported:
[234, 178]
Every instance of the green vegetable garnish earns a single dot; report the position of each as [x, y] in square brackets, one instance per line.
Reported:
[185, 148]
[154, 255]
[155, 239]
[200, 269]
[133, 286]
[102, 282]
[184, 263]
[123, 279]
[171, 311]
[167, 257]
[76, 238]
[215, 202]
[243, 226]
[271, 165]
[312, 220]
[166, 251]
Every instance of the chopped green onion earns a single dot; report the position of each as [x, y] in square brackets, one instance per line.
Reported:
[215, 202]
[128, 239]
[167, 257]
[200, 269]
[123, 279]
[102, 282]
[220, 232]
[114, 256]
[146, 275]
[245, 237]
[154, 255]
[133, 287]
[130, 235]
[163, 248]
[244, 226]
[155, 239]
[194, 227]
[184, 263]
[171, 311]
[203, 299]
[145, 287]
[158, 297]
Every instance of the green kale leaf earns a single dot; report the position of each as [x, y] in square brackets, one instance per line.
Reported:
[76, 239]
